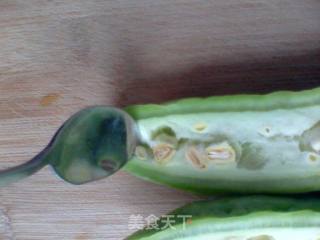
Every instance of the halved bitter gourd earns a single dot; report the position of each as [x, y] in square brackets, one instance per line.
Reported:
[247, 143]
[240, 218]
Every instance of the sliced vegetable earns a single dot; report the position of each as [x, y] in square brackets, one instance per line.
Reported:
[242, 218]
[247, 143]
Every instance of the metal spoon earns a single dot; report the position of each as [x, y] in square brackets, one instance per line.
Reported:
[92, 144]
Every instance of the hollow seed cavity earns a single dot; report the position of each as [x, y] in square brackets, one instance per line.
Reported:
[195, 157]
[266, 131]
[200, 127]
[141, 153]
[163, 153]
[313, 158]
[221, 153]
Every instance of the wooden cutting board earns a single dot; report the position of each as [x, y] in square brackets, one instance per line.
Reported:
[57, 57]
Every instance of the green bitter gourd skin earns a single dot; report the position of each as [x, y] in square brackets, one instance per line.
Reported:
[245, 143]
[239, 218]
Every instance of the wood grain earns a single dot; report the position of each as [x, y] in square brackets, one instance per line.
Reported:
[57, 57]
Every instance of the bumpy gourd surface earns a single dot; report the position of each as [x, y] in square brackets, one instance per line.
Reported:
[266, 144]
[245, 218]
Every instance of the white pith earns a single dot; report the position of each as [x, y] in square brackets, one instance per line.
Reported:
[277, 134]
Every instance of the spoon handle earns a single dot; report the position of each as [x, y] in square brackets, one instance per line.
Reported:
[24, 170]
[16, 173]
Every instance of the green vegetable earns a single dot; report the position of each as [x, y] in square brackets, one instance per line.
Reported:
[247, 143]
[242, 218]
